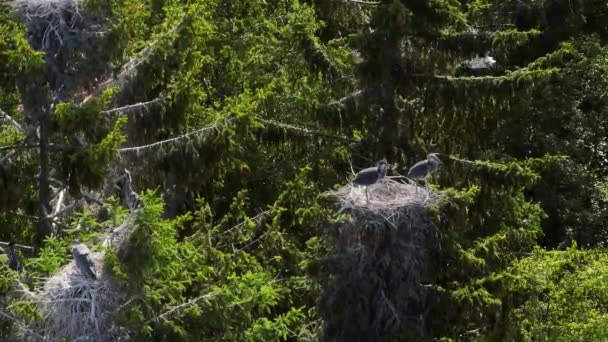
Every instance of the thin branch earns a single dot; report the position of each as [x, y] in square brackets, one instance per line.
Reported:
[22, 146]
[183, 305]
[197, 133]
[306, 131]
[361, 2]
[254, 219]
[134, 62]
[25, 248]
[135, 106]
[12, 121]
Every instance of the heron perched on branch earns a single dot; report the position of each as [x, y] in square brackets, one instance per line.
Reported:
[371, 175]
[423, 169]
[82, 257]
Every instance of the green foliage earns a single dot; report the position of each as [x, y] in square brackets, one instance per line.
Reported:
[244, 113]
[562, 294]
[50, 259]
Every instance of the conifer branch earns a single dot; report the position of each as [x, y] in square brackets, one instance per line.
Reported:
[131, 66]
[305, 131]
[135, 106]
[198, 133]
[21, 324]
[12, 121]
[361, 2]
[184, 305]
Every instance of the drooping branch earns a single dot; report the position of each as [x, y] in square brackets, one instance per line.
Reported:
[12, 121]
[136, 106]
[305, 131]
[198, 133]
[130, 68]
[184, 305]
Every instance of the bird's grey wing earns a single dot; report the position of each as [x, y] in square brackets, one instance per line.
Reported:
[419, 167]
[363, 173]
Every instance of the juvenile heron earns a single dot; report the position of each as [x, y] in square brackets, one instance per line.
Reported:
[82, 256]
[423, 169]
[13, 259]
[371, 175]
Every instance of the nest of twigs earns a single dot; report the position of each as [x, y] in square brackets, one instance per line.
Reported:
[379, 275]
[68, 34]
[75, 307]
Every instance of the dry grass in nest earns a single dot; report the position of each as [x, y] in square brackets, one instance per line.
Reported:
[75, 307]
[388, 200]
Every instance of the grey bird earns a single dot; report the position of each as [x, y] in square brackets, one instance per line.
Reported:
[82, 257]
[423, 169]
[371, 175]
[13, 259]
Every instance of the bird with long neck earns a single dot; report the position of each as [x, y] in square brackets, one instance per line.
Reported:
[423, 169]
[371, 175]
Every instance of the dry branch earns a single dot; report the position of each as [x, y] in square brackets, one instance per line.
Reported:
[198, 133]
[305, 131]
[129, 69]
[24, 248]
[136, 106]
[12, 121]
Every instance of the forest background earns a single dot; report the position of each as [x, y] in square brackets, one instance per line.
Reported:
[214, 132]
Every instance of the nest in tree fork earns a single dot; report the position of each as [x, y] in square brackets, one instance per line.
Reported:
[69, 37]
[378, 285]
[75, 307]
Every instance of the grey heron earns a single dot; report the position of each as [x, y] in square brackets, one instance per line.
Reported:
[371, 175]
[423, 169]
[82, 257]
[13, 259]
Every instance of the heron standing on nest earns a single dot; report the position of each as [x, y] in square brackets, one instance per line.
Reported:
[423, 169]
[371, 175]
[82, 257]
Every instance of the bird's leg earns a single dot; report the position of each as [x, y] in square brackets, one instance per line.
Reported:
[428, 190]
[366, 196]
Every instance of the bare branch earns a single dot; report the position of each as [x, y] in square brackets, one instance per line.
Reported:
[305, 131]
[24, 248]
[136, 106]
[184, 305]
[361, 2]
[197, 133]
[12, 121]
[130, 67]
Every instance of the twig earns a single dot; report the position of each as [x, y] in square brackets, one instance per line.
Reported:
[199, 132]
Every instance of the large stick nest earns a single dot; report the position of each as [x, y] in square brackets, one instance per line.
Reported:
[380, 274]
[76, 308]
[69, 37]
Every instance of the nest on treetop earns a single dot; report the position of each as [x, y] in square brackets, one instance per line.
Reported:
[76, 307]
[379, 276]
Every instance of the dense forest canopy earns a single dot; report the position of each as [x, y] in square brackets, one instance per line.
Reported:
[205, 152]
